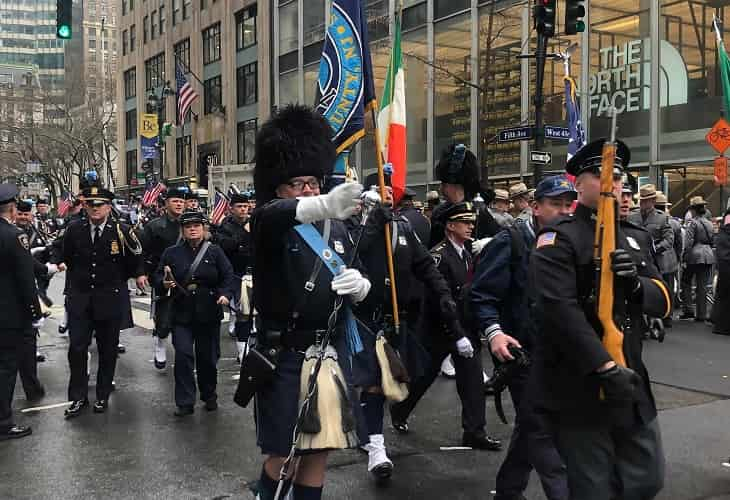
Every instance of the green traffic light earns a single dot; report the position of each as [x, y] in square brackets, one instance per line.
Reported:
[580, 26]
[64, 31]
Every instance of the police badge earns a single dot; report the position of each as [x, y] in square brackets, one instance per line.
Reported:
[115, 247]
[339, 247]
[23, 239]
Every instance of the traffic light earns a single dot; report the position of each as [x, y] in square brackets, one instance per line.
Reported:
[544, 12]
[574, 13]
[63, 19]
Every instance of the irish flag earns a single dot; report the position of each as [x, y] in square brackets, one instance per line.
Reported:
[392, 118]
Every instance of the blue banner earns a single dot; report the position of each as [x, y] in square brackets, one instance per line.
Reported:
[149, 150]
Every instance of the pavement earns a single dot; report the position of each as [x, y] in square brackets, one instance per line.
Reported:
[138, 449]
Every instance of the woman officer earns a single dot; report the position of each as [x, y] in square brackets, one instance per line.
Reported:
[201, 280]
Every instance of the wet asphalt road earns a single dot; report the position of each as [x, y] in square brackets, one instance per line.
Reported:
[138, 449]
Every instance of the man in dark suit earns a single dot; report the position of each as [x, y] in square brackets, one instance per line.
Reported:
[100, 254]
[19, 306]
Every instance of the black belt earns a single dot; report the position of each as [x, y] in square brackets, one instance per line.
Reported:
[296, 340]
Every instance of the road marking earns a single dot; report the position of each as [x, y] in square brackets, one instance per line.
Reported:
[47, 407]
[454, 448]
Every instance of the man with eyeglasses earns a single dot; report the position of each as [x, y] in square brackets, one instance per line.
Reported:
[101, 255]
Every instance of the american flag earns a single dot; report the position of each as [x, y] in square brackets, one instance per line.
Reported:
[64, 204]
[572, 111]
[186, 95]
[152, 193]
[220, 208]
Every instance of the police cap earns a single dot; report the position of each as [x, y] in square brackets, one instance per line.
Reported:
[24, 206]
[179, 193]
[192, 217]
[97, 195]
[589, 157]
[239, 198]
[41, 201]
[460, 212]
[8, 193]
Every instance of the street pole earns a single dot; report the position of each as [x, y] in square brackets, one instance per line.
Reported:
[541, 56]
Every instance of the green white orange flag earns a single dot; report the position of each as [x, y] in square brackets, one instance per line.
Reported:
[724, 66]
[392, 118]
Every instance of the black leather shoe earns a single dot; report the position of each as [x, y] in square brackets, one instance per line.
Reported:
[184, 411]
[101, 406]
[62, 329]
[211, 404]
[481, 442]
[399, 423]
[382, 473]
[40, 357]
[121, 349]
[160, 365]
[16, 432]
[76, 408]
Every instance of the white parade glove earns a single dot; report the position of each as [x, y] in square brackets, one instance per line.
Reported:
[340, 203]
[464, 347]
[351, 282]
[52, 268]
[478, 245]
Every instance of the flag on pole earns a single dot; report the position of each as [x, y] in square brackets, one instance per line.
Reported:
[64, 204]
[186, 95]
[152, 193]
[572, 111]
[220, 208]
[345, 86]
[724, 65]
[392, 117]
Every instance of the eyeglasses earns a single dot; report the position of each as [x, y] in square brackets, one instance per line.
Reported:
[299, 184]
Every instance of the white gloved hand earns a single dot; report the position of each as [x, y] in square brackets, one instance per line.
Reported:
[351, 282]
[340, 203]
[52, 268]
[37, 324]
[464, 347]
[478, 245]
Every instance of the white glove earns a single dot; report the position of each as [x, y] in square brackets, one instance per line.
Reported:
[37, 324]
[340, 203]
[478, 245]
[466, 350]
[351, 282]
[52, 268]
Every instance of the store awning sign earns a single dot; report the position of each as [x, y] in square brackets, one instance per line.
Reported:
[719, 136]
[720, 164]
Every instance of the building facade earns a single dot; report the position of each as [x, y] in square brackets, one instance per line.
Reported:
[222, 47]
[655, 60]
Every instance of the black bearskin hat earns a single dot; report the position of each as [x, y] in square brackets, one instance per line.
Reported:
[296, 141]
[458, 165]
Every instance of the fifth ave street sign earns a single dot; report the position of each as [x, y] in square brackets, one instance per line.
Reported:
[541, 157]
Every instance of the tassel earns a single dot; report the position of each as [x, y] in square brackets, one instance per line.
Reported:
[331, 402]
[354, 343]
[392, 389]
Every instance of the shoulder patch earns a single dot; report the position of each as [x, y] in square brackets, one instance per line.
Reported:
[23, 239]
[436, 258]
[546, 239]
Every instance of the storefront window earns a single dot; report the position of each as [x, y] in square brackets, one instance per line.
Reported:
[288, 34]
[288, 88]
[620, 75]
[452, 94]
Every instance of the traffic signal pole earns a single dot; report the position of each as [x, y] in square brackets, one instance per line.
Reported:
[539, 101]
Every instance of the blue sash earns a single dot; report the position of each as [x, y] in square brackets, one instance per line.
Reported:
[334, 263]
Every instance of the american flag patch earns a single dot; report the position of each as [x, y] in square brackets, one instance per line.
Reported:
[546, 239]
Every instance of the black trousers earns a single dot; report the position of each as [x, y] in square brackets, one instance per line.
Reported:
[670, 279]
[28, 366]
[197, 350]
[532, 445]
[469, 386]
[8, 375]
[605, 463]
[702, 272]
[80, 331]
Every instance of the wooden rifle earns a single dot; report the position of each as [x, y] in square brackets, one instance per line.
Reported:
[604, 246]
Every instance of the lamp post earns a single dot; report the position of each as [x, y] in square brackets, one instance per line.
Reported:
[156, 104]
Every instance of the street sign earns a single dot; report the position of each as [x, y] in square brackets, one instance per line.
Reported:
[719, 136]
[541, 157]
[557, 133]
[515, 134]
[720, 164]
[35, 188]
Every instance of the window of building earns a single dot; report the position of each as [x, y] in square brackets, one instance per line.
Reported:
[92, 32]
[175, 11]
[212, 44]
[313, 27]
[131, 165]
[145, 29]
[92, 43]
[130, 83]
[247, 84]
[182, 53]
[288, 88]
[182, 154]
[124, 7]
[153, 24]
[443, 8]
[154, 69]
[132, 37]
[187, 8]
[131, 5]
[162, 19]
[288, 24]
[130, 124]
[203, 4]
[125, 42]
[212, 95]
[246, 132]
[246, 28]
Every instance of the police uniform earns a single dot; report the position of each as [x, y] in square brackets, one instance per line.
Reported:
[196, 315]
[19, 308]
[99, 259]
[611, 447]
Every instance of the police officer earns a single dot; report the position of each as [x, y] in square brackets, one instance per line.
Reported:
[604, 413]
[19, 306]
[39, 247]
[157, 236]
[499, 297]
[418, 221]
[46, 223]
[414, 270]
[234, 237]
[191, 200]
[101, 255]
[201, 277]
[699, 259]
[500, 208]
[294, 153]
[453, 260]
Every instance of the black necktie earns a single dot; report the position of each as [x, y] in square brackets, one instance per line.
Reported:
[97, 234]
